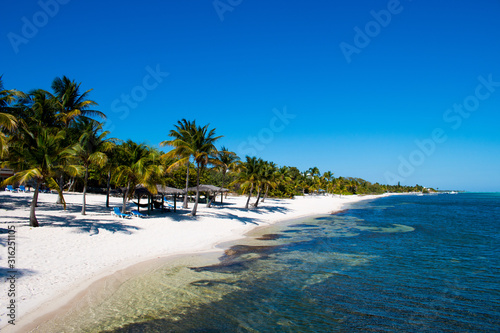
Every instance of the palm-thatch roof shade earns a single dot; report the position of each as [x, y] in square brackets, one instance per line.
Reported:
[209, 188]
[169, 190]
[141, 190]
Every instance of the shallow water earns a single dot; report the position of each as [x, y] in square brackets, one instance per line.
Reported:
[401, 263]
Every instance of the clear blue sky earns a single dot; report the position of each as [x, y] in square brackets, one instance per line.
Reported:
[347, 86]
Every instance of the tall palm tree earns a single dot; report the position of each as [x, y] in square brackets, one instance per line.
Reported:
[182, 148]
[38, 153]
[204, 152]
[139, 164]
[111, 164]
[248, 176]
[90, 149]
[265, 178]
[71, 104]
[328, 177]
[271, 177]
[227, 160]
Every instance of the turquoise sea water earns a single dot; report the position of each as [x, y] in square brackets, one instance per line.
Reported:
[395, 264]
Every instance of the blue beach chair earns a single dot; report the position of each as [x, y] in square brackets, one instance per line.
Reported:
[116, 211]
[9, 188]
[22, 188]
[169, 204]
[137, 213]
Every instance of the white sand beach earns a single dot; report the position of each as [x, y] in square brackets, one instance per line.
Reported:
[69, 251]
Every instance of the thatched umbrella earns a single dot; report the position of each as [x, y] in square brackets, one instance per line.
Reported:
[210, 189]
[169, 190]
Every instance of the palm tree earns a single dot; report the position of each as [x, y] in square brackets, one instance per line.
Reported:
[266, 175]
[90, 149]
[328, 176]
[112, 163]
[38, 154]
[182, 139]
[227, 161]
[271, 177]
[8, 122]
[204, 152]
[139, 164]
[71, 103]
[248, 175]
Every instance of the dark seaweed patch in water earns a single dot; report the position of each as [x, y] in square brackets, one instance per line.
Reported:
[208, 283]
[292, 231]
[239, 250]
[232, 261]
[271, 237]
[227, 267]
[304, 225]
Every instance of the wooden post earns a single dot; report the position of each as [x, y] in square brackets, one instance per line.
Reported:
[175, 202]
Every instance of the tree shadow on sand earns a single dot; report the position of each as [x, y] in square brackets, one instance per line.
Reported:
[90, 226]
[6, 272]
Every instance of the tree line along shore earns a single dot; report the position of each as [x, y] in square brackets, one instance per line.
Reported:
[55, 140]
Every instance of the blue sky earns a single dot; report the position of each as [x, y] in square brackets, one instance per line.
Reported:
[387, 91]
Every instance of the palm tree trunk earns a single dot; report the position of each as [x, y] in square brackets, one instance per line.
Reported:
[193, 212]
[85, 188]
[265, 195]
[71, 185]
[125, 197]
[108, 186]
[249, 195]
[258, 197]
[222, 193]
[33, 220]
[60, 199]
[210, 200]
[185, 203]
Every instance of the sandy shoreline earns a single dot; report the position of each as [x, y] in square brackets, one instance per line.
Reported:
[69, 252]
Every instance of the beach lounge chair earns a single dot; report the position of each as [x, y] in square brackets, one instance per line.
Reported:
[116, 211]
[10, 189]
[22, 188]
[137, 213]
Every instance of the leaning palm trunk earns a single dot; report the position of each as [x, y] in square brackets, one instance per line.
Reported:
[33, 220]
[210, 200]
[265, 195]
[125, 197]
[185, 203]
[249, 195]
[193, 212]
[72, 182]
[85, 188]
[258, 197]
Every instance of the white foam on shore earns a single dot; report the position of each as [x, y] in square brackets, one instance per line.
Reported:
[68, 252]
